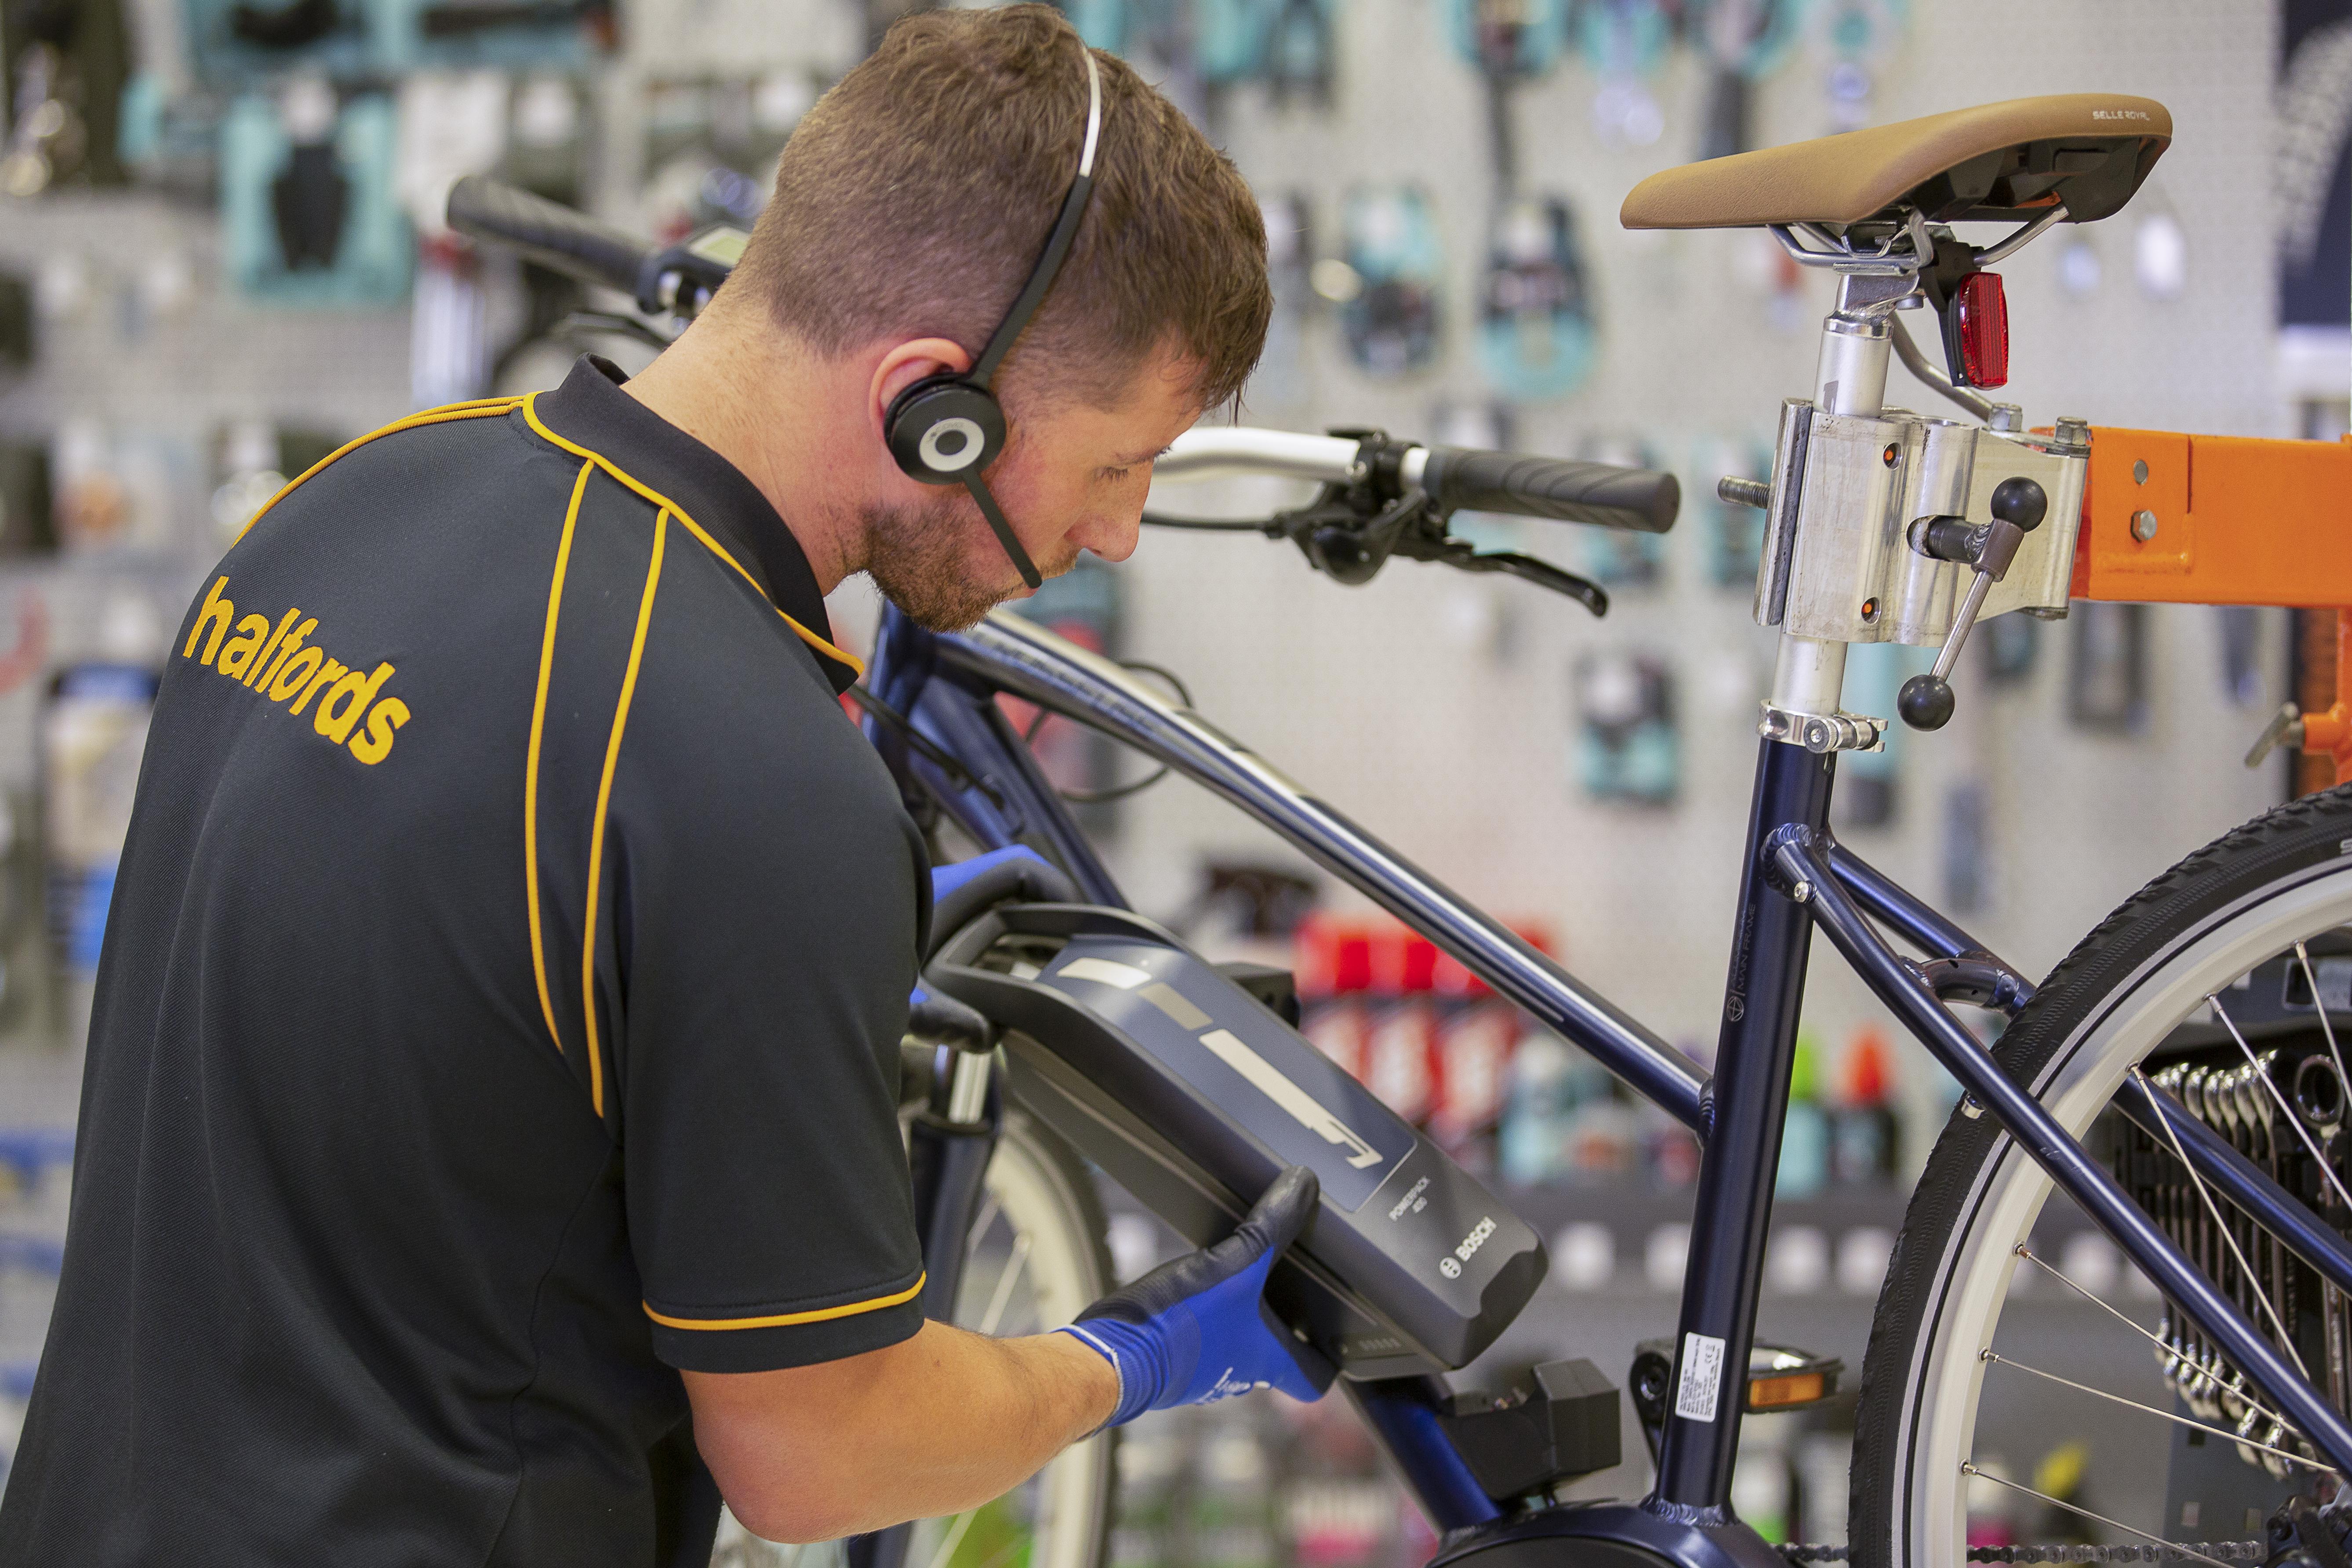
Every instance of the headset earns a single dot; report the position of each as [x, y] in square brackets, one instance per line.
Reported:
[945, 429]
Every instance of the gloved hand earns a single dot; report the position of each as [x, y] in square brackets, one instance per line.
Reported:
[1197, 1329]
[946, 879]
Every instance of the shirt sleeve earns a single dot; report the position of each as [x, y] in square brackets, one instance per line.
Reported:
[768, 896]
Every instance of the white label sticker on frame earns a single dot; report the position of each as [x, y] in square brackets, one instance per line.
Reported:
[1702, 1377]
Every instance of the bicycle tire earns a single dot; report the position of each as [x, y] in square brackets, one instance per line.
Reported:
[2283, 876]
[1046, 1193]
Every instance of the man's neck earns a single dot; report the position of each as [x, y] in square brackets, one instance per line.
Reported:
[758, 400]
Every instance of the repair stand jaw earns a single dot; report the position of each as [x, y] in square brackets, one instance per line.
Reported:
[1799, 863]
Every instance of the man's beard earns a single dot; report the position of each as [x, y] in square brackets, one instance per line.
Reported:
[916, 556]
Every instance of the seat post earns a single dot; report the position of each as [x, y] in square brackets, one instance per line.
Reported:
[1808, 676]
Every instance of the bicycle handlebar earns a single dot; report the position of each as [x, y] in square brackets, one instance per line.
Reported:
[1635, 499]
[553, 236]
[1597, 493]
[1455, 477]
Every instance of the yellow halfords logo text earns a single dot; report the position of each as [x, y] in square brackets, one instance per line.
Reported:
[281, 662]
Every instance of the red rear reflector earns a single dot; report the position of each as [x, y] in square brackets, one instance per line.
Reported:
[1983, 318]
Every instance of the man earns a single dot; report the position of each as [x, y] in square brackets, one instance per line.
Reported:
[488, 1133]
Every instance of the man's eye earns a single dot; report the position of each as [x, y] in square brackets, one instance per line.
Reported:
[1115, 474]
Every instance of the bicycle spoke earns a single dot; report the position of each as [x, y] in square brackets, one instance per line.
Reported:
[2221, 1226]
[2285, 1109]
[2055, 1273]
[1005, 1283]
[954, 1538]
[2221, 1432]
[979, 1231]
[2319, 1003]
[1968, 1468]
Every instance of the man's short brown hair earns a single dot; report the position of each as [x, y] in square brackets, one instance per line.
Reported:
[915, 197]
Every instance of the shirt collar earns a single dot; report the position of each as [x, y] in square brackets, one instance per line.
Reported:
[591, 411]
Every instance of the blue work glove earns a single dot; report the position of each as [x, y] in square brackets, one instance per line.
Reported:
[1197, 1329]
[946, 879]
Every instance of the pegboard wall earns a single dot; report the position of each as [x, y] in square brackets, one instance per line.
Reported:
[1442, 712]
[1445, 712]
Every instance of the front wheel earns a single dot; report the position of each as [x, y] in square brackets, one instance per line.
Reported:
[2242, 949]
[1039, 1256]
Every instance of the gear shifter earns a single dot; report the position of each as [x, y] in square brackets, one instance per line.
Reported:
[2019, 506]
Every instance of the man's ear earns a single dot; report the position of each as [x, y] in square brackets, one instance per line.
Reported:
[906, 364]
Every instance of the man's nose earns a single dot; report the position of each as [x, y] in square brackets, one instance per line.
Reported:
[1112, 538]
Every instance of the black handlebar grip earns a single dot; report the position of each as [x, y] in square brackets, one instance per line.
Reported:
[553, 236]
[1597, 493]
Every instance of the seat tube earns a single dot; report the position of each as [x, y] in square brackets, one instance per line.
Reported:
[1756, 1043]
[1755, 1050]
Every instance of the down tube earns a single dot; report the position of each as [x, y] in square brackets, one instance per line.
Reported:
[1031, 663]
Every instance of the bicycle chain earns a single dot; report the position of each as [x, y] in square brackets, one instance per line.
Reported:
[2172, 1551]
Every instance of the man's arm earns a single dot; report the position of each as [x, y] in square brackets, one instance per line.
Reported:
[947, 1420]
[931, 1425]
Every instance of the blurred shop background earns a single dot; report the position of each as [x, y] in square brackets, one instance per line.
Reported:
[221, 257]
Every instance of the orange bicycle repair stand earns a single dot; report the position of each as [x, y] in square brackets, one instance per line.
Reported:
[2228, 520]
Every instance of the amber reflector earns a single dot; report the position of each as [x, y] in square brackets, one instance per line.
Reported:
[1771, 1393]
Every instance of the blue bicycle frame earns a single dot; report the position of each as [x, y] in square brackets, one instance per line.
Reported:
[1794, 878]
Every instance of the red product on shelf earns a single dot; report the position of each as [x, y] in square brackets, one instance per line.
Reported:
[1373, 990]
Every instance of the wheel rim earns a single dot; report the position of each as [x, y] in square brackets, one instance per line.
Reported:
[1945, 1378]
[1032, 1267]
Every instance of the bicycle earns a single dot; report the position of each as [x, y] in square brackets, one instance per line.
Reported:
[2129, 1078]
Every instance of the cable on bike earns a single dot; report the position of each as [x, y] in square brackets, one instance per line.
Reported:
[1120, 791]
[931, 750]
[1270, 527]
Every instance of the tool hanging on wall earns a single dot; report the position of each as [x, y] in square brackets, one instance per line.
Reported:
[1854, 39]
[1623, 42]
[308, 210]
[63, 64]
[1626, 747]
[1742, 42]
[1534, 324]
[1298, 50]
[1535, 327]
[1508, 42]
[1388, 286]
[1281, 380]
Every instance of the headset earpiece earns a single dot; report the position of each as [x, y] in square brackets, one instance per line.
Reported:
[942, 428]
[946, 429]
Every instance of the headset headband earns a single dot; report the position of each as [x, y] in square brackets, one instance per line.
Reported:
[1057, 244]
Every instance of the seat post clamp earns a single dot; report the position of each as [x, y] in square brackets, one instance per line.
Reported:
[1821, 732]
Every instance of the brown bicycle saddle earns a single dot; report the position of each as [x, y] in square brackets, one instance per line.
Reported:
[1997, 162]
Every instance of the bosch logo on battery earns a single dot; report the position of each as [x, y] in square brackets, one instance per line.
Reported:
[1451, 1266]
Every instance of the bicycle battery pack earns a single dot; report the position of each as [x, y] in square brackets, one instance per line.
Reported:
[1194, 1095]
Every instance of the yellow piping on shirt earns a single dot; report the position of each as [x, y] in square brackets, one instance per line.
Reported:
[480, 408]
[531, 763]
[785, 1320]
[659, 500]
[604, 797]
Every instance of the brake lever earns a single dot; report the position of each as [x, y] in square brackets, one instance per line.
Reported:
[1527, 569]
